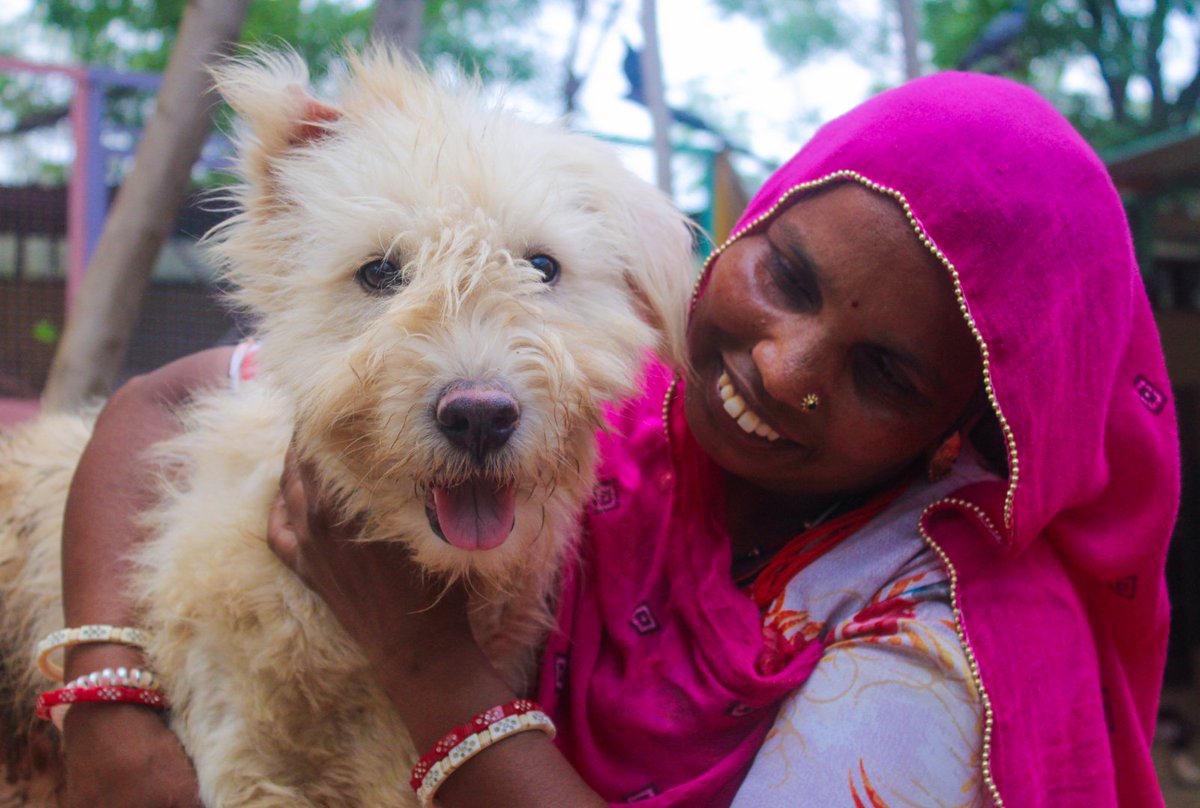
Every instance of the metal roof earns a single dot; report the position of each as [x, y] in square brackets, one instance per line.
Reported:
[1156, 164]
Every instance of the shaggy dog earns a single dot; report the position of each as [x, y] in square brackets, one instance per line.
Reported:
[447, 298]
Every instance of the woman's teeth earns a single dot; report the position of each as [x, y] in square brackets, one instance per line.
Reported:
[750, 421]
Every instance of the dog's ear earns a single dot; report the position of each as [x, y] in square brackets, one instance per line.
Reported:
[662, 267]
[278, 115]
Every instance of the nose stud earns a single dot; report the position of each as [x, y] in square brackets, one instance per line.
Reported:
[810, 401]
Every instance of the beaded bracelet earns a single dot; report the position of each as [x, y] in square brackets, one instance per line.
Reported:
[125, 677]
[463, 743]
[68, 637]
[52, 705]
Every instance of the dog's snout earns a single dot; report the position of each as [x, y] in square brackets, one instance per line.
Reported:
[478, 419]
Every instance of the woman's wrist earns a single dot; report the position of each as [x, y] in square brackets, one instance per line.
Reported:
[81, 660]
[439, 686]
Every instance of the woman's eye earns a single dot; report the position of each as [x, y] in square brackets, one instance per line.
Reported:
[790, 281]
[380, 276]
[885, 373]
[547, 265]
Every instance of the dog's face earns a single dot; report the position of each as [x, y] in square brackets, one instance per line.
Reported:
[449, 295]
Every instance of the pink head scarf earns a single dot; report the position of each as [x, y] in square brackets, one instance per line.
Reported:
[1058, 572]
[1062, 586]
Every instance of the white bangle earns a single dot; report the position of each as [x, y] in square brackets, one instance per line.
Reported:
[68, 637]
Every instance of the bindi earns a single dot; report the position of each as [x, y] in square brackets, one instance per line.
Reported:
[854, 304]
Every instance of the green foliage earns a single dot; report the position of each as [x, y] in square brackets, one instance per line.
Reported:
[951, 26]
[482, 37]
[799, 31]
[138, 34]
[1125, 42]
[318, 31]
[45, 332]
[125, 34]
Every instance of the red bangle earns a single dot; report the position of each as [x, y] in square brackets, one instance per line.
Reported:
[462, 742]
[148, 697]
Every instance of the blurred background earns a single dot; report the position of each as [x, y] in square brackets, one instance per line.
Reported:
[703, 97]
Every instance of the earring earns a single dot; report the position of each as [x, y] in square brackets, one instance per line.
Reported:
[944, 457]
[810, 401]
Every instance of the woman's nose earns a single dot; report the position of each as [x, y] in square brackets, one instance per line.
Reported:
[793, 366]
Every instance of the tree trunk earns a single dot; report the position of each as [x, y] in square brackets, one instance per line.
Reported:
[400, 22]
[104, 314]
[652, 83]
[910, 34]
[571, 81]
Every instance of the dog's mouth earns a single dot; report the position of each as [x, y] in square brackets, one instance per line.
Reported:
[477, 514]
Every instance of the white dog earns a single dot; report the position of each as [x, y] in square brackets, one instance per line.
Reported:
[447, 297]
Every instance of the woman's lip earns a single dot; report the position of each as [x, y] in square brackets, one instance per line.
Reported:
[742, 410]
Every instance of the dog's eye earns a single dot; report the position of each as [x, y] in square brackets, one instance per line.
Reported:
[380, 276]
[549, 267]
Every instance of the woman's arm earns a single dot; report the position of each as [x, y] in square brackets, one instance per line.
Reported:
[420, 646]
[122, 755]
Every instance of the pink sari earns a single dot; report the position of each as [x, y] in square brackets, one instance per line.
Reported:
[659, 676]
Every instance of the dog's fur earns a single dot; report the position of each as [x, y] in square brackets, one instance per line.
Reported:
[271, 699]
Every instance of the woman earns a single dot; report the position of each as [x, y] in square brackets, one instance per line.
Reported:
[898, 538]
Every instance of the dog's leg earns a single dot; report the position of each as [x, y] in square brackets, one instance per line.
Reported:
[270, 697]
[36, 464]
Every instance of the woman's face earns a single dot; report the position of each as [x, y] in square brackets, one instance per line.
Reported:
[837, 299]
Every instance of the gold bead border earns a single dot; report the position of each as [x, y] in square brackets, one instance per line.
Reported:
[989, 715]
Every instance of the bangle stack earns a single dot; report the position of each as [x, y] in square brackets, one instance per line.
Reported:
[112, 685]
[463, 743]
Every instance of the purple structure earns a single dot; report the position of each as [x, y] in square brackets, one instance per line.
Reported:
[87, 186]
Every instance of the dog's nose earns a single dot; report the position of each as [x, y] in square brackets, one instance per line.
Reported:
[479, 419]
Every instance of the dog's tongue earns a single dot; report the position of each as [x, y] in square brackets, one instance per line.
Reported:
[476, 515]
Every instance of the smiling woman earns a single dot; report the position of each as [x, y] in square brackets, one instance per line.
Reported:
[835, 300]
[965, 463]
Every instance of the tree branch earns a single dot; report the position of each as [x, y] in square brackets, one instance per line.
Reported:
[571, 82]
[1189, 96]
[1115, 78]
[1155, 32]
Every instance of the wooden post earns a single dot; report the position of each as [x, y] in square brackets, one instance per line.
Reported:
[105, 311]
[652, 84]
[400, 22]
[910, 33]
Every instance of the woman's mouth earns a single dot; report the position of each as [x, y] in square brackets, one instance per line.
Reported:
[735, 406]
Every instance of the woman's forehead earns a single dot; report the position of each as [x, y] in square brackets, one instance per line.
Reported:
[858, 245]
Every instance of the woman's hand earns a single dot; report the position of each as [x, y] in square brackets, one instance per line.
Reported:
[118, 755]
[417, 638]
[398, 614]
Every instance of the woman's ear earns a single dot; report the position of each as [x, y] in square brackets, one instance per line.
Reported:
[943, 457]
[940, 458]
